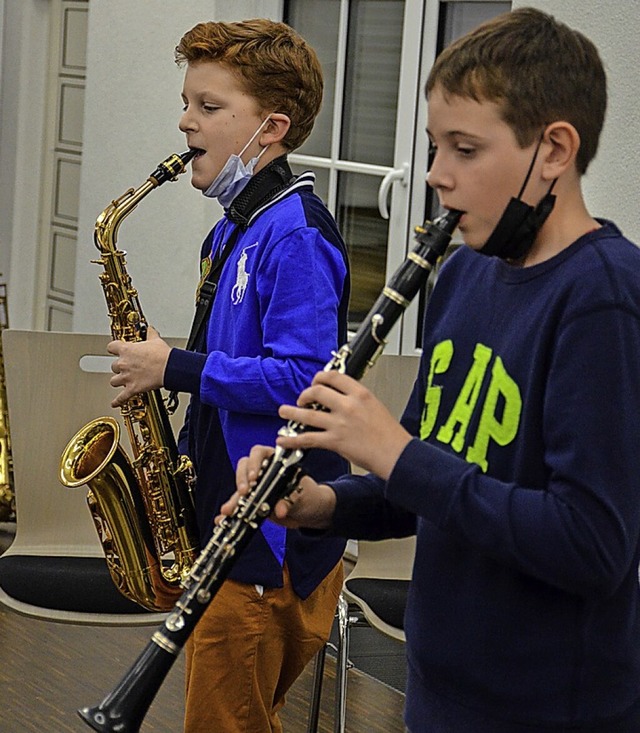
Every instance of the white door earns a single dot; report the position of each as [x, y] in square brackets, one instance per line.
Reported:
[61, 166]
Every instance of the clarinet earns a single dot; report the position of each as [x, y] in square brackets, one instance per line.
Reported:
[123, 710]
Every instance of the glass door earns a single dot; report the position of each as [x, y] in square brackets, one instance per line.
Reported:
[369, 147]
[363, 168]
[444, 21]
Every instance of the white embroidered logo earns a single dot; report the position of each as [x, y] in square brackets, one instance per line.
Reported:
[242, 276]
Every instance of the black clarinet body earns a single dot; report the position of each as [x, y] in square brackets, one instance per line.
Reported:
[123, 710]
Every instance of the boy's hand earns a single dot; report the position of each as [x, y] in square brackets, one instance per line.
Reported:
[309, 505]
[139, 366]
[354, 423]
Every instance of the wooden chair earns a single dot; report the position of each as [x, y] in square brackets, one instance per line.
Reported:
[55, 568]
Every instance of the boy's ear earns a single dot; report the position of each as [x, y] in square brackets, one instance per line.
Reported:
[562, 145]
[275, 129]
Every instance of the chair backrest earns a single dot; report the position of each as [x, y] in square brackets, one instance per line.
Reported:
[379, 583]
[391, 379]
[379, 580]
[56, 383]
[385, 559]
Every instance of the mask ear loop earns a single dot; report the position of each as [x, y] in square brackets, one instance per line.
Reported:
[530, 171]
[254, 136]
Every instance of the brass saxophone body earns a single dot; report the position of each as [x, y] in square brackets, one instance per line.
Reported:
[7, 495]
[142, 508]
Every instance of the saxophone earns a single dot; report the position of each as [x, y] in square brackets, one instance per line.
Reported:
[7, 496]
[142, 508]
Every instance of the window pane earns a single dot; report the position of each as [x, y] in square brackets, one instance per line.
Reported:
[372, 77]
[461, 17]
[317, 22]
[366, 236]
[457, 19]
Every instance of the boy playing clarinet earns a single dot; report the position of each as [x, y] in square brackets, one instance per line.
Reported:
[516, 461]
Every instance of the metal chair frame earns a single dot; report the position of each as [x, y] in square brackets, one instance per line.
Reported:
[377, 561]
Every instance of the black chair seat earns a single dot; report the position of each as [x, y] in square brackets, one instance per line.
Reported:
[385, 597]
[75, 584]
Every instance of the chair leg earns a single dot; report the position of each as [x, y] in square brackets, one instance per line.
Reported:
[342, 664]
[316, 694]
[345, 621]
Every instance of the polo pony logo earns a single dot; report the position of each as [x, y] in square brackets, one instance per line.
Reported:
[242, 276]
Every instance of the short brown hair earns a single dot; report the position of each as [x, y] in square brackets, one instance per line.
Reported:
[276, 66]
[537, 69]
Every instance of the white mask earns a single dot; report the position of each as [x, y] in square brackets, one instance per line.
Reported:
[235, 175]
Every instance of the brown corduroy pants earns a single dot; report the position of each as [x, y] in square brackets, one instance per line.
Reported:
[249, 648]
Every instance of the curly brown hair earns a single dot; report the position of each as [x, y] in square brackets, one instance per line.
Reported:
[275, 65]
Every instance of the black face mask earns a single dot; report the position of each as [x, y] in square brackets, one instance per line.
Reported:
[517, 229]
[519, 224]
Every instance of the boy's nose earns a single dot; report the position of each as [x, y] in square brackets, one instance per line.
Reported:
[437, 177]
[186, 123]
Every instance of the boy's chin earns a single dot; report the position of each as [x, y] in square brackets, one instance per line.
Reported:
[472, 240]
[199, 184]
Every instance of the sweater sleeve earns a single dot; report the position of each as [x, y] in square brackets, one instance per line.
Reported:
[580, 531]
[183, 370]
[363, 513]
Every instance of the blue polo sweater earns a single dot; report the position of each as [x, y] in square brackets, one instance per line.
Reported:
[279, 311]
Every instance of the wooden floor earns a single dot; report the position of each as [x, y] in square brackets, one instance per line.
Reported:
[48, 670]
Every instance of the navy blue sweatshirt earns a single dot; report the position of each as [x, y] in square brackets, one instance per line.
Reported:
[523, 486]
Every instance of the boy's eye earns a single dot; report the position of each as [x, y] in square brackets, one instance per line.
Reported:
[465, 151]
[431, 155]
[210, 107]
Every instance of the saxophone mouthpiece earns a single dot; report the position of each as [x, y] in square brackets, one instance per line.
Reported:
[188, 155]
[172, 167]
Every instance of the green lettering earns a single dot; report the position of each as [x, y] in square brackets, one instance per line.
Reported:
[490, 428]
[455, 429]
[440, 360]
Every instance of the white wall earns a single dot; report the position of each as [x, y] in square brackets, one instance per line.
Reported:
[612, 184]
[130, 124]
[132, 110]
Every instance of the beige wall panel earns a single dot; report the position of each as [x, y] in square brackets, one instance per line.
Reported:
[67, 189]
[74, 46]
[59, 317]
[63, 255]
[71, 115]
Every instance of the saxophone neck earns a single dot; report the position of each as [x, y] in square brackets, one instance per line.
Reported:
[108, 223]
